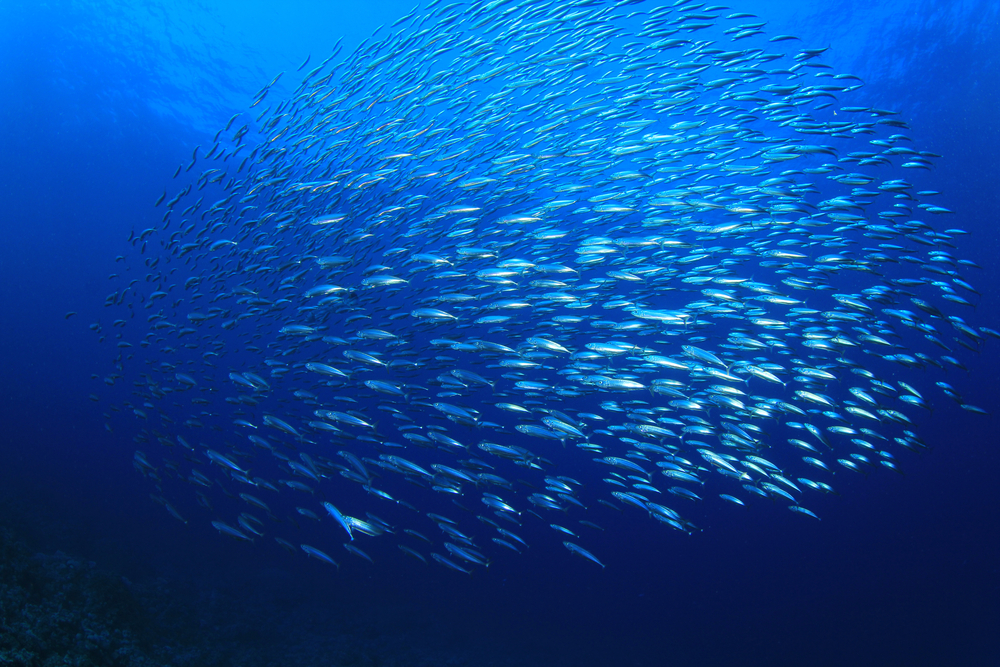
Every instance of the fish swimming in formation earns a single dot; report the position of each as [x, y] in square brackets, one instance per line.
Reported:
[509, 240]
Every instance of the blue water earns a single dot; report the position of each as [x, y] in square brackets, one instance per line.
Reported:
[102, 100]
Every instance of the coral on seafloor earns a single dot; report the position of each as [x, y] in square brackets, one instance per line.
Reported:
[56, 610]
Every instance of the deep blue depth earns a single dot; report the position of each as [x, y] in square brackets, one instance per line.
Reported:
[103, 100]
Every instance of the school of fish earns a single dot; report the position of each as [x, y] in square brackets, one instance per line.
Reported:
[513, 269]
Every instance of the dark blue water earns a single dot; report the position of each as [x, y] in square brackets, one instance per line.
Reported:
[102, 100]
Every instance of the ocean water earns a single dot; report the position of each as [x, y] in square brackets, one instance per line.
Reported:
[103, 101]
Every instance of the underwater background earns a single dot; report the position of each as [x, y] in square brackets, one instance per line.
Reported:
[102, 101]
